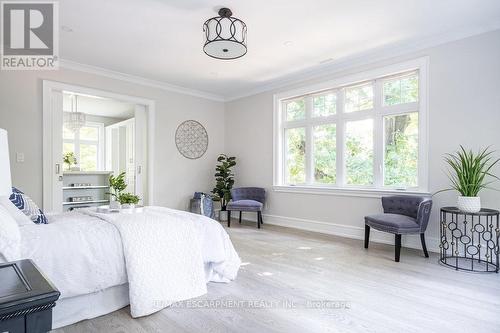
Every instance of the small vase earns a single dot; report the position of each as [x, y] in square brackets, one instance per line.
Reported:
[469, 204]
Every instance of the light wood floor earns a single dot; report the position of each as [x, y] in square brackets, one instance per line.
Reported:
[290, 274]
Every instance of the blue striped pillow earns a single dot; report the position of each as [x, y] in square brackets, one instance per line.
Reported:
[27, 206]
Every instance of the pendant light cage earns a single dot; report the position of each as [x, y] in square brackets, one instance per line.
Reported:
[225, 36]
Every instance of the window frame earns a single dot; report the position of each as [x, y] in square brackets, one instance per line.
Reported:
[99, 143]
[377, 77]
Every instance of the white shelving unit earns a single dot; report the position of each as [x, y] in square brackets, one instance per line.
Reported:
[97, 190]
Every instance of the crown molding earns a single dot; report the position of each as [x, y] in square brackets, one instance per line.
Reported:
[366, 58]
[68, 64]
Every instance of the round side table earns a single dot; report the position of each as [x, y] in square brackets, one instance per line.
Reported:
[469, 241]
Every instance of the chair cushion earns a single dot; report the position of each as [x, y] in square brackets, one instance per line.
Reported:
[393, 223]
[246, 205]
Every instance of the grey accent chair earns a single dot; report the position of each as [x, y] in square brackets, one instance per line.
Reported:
[247, 199]
[402, 215]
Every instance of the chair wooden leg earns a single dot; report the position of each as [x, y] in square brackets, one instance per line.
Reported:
[367, 235]
[259, 218]
[397, 247]
[422, 239]
[240, 217]
[228, 218]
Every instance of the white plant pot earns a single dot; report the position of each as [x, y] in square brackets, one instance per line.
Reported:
[469, 204]
[114, 205]
[128, 206]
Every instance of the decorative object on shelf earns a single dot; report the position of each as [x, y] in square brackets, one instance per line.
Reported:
[224, 179]
[191, 139]
[468, 175]
[69, 159]
[81, 199]
[74, 119]
[80, 185]
[225, 36]
[469, 241]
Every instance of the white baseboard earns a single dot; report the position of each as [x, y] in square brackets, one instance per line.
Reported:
[347, 231]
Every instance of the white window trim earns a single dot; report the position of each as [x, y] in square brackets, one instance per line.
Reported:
[420, 64]
[99, 143]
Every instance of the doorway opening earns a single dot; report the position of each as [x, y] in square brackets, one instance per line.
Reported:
[89, 135]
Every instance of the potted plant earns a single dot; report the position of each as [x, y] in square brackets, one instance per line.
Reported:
[224, 179]
[117, 185]
[128, 200]
[468, 175]
[69, 159]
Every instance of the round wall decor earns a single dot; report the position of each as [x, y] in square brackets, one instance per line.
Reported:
[191, 139]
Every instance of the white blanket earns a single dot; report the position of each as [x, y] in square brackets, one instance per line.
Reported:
[80, 254]
[165, 253]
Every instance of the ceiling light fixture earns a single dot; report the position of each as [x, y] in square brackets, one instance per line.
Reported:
[74, 119]
[226, 36]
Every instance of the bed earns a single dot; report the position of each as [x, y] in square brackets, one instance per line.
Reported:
[103, 262]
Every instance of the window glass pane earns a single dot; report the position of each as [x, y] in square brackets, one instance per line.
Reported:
[401, 150]
[295, 155]
[295, 110]
[88, 157]
[325, 153]
[324, 105]
[68, 134]
[68, 148]
[401, 90]
[359, 98]
[89, 133]
[359, 152]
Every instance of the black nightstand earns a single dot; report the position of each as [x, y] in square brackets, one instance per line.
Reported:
[26, 298]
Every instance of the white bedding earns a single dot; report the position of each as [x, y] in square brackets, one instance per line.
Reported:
[83, 253]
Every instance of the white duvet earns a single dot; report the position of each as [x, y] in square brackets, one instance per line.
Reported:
[165, 255]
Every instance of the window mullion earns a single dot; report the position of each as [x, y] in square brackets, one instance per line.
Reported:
[378, 136]
[339, 127]
[309, 144]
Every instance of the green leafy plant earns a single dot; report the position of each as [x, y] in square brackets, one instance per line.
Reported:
[224, 178]
[69, 159]
[128, 198]
[117, 185]
[469, 171]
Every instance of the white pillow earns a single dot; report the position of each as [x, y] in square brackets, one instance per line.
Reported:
[10, 236]
[17, 215]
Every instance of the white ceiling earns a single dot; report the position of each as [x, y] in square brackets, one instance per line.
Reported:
[162, 40]
[98, 106]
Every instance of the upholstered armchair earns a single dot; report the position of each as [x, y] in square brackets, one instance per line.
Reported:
[247, 199]
[402, 215]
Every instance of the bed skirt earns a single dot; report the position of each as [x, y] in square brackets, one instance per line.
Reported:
[74, 309]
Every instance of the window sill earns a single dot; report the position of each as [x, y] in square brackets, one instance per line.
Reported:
[349, 192]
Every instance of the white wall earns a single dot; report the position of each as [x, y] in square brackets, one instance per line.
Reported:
[176, 178]
[464, 108]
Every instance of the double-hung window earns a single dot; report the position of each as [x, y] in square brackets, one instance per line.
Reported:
[87, 145]
[362, 132]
